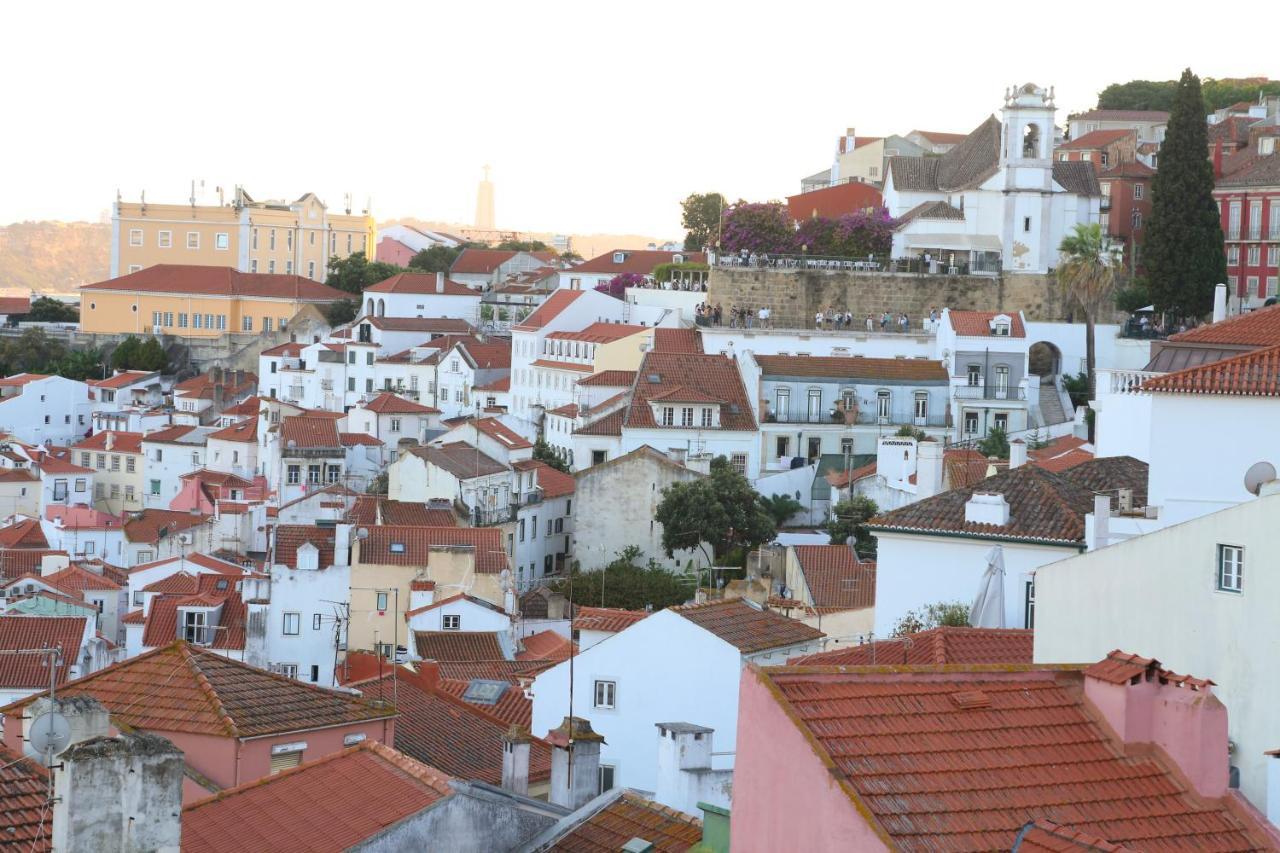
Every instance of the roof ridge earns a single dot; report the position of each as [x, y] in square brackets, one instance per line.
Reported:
[207, 688]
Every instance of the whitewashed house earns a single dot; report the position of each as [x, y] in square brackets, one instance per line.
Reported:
[679, 664]
[411, 294]
[310, 580]
[987, 353]
[36, 408]
[168, 454]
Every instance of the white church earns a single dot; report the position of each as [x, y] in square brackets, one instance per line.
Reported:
[997, 201]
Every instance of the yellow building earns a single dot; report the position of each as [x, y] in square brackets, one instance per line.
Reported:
[117, 460]
[290, 238]
[197, 302]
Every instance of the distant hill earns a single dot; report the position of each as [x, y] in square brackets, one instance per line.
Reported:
[1158, 94]
[53, 256]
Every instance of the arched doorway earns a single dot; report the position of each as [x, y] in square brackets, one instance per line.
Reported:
[1045, 359]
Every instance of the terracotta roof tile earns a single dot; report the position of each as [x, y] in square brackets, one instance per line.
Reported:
[151, 524]
[610, 424]
[179, 583]
[460, 459]
[301, 432]
[169, 434]
[673, 340]
[632, 816]
[608, 619]
[290, 537]
[552, 364]
[512, 707]
[929, 210]
[400, 513]
[203, 386]
[470, 646]
[837, 367]
[389, 404]
[1097, 139]
[424, 283]
[501, 433]
[24, 804]
[245, 431]
[1077, 177]
[546, 645]
[944, 645]
[978, 323]
[903, 739]
[1251, 374]
[75, 580]
[219, 281]
[479, 261]
[123, 379]
[183, 688]
[16, 562]
[713, 375]
[380, 548]
[836, 578]
[121, 442]
[1122, 667]
[965, 166]
[638, 261]
[1049, 837]
[745, 627]
[19, 379]
[600, 333]
[31, 672]
[389, 786]
[610, 378]
[23, 534]
[549, 310]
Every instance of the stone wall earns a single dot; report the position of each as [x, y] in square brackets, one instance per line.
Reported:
[794, 297]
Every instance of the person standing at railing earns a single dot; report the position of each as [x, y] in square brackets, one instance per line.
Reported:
[817, 319]
[870, 324]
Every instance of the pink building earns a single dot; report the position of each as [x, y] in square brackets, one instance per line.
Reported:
[234, 722]
[972, 758]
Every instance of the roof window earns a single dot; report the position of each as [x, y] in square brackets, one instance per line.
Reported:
[397, 548]
[619, 257]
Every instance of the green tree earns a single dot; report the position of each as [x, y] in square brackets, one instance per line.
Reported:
[1087, 272]
[700, 215]
[721, 509]
[81, 364]
[1161, 94]
[151, 356]
[46, 310]
[781, 508]
[952, 614]
[355, 272]
[849, 519]
[435, 259]
[624, 584]
[125, 355]
[1134, 295]
[909, 431]
[32, 352]
[341, 311]
[571, 256]
[996, 443]
[378, 485]
[1183, 251]
[523, 246]
[544, 452]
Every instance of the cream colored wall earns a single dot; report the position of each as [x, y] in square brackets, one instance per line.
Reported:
[624, 354]
[123, 312]
[178, 220]
[13, 501]
[859, 162]
[844, 625]
[104, 478]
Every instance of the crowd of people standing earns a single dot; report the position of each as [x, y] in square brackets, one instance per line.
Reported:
[830, 319]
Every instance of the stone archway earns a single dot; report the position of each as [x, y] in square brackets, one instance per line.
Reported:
[1045, 359]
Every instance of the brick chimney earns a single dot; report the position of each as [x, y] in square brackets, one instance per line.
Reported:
[1145, 704]
[575, 762]
[515, 760]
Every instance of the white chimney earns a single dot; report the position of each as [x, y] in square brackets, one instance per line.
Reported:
[575, 744]
[896, 459]
[440, 282]
[1101, 520]
[1219, 303]
[515, 760]
[53, 563]
[928, 469]
[1017, 453]
[342, 544]
[985, 508]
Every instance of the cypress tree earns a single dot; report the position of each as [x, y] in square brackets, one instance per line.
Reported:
[1183, 250]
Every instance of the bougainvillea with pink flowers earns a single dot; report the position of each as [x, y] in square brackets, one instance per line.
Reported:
[767, 228]
[617, 286]
[758, 227]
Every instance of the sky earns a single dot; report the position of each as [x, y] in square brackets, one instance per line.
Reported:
[595, 117]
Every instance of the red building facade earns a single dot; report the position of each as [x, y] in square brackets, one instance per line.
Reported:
[1248, 196]
[1125, 181]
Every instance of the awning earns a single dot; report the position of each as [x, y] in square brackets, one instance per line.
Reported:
[964, 242]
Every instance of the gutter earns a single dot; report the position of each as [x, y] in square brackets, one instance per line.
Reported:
[1080, 547]
[383, 720]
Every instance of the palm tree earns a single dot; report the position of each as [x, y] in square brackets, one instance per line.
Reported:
[1088, 273]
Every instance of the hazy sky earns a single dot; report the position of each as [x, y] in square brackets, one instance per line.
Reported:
[596, 117]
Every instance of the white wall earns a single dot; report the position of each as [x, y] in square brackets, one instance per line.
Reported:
[719, 339]
[474, 617]
[175, 460]
[1111, 349]
[915, 570]
[52, 409]
[1156, 596]
[308, 593]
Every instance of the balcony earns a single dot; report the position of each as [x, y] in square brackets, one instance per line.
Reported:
[989, 392]
[841, 419]
[490, 517]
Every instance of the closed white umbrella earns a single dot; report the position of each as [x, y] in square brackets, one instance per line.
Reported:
[988, 607]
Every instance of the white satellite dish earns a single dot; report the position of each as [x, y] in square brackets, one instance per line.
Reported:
[1258, 473]
[50, 734]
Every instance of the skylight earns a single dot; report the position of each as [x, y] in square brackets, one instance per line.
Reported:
[482, 691]
[397, 547]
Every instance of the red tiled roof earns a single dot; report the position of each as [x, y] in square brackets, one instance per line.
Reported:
[1131, 169]
[944, 645]
[301, 431]
[16, 562]
[203, 386]
[23, 534]
[400, 513]
[211, 591]
[168, 434]
[608, 619]
[18, 475]
[461, 738]
[552, 364]
[54, 465]
[424, 283]
[610, 424]
[1064, 461]
[15, 304]
[638, 261]
[1251, 374]
[938, 137]
[470, 646]
[219, 281]
[713, 375]
[460, 459]
[501, 433]
[244, 431]
[548, 310]
[964, 467]
[501, 384]
[1097, 139]
[480, 261]
[745, 627]
[546, 645]
[901, 743]
[611, 378]
[600, 333]
[148, 525]
[836, 578]
[349, 797]
[554, 484]
[1259, 328]
[178, 583]
[121, 442]
[841, 479]
[247, 407]
[675, 340]
[491, 557]
[123, 379]
[914, 369]
[19, 379]
[387, 403]
[292, 349]
[358, 439]
[512, 707]
[1123, 667]
[24, 804]
[31, 672]
[183, 688]
[1045, 836]
[632, 816]
[290, 537]
[74, 580]
[977, 324]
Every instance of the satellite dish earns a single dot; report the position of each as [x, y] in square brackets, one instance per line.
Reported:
[50, 734]
[1258, 473]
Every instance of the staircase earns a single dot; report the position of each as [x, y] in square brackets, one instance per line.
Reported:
[1050, 402]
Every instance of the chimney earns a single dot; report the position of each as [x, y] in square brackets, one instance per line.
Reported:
[1143, 703]
[429, 674]
[1219, 303]
[117, 794]
[684, 755]
[87, 718]
[1101, 521]
[1017, 453]
[53, 563]
[515, 760]
[1217, 159]
[111, 440]
[575, 762]
[440, 282]
[928, 469]
[421, 593]
[987, 509]
[342, 544]
[896, 459]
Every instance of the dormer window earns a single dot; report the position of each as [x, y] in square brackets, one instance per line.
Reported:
[195, 627]
[397, 548]
[619, 257]
[1001, 325]
[708, 417]
[668, 416]
[677, 259]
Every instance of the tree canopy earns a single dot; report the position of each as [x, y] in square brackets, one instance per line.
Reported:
[133, 354]
[341, 311]
[852, 235]
[34, 351]
[721, 509]
[624, 584]
[953, 614]
[47, 310]
[1161, 94]
[700, 215]
[355, 272]
[758, 227]
[849, 519]
[781, 508]
[1183, 251]
[544, 452]
[435, 259]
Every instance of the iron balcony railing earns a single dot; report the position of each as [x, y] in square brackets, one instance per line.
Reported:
[861, 419]
[989, 392]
